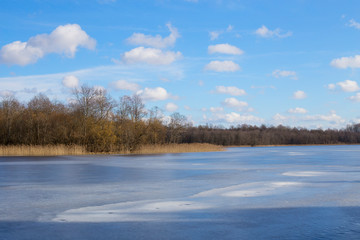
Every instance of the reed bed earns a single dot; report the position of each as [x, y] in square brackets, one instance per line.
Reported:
[179, 148]
[58, 150]
[47, 150]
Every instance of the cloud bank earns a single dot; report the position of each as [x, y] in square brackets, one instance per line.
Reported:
[64, 40]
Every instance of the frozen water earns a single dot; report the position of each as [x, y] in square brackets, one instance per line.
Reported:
[244, 193]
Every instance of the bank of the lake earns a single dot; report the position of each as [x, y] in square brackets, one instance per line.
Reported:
[61, 150]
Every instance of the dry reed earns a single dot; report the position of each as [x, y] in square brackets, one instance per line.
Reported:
[58, 150]
[47, 150]
[179, 148]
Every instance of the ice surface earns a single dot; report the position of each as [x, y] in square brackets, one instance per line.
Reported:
[243, 193]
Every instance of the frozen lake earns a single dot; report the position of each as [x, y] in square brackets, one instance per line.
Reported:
[298, 192]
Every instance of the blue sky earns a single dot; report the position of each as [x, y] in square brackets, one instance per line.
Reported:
[219, 62]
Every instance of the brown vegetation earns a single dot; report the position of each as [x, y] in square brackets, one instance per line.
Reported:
[99, 124]
[58, 150]
[179, 148]
[47, 150]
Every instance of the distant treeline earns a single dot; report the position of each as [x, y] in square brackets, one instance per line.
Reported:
[94, 120]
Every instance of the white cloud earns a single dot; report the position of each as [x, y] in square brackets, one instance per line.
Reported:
[216, 109]
[237, 118]
[264, 32]
[171, 107]
[353, 23]
[150, 56]
[187, 107]
[222, 66]
[125, 85]
[70, 81]
[235, 104]
[5, 93]
[332, 118]
[346, 62]
[153, 94]
[214, 35]
[155, 41]
[279, 118]
[230, 90]
[225, 49]
[331, 86]
[283, 73]
[299, 94]
[355, 98]
[229, 28]
[99, 88]
[318, 120]
[63, 40]
[297, 110]
[349, 86]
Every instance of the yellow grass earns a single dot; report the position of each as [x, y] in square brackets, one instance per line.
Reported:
[179, 148]
[48, 150]
[57, 150]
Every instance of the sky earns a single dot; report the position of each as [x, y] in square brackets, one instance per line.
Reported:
[220, 62]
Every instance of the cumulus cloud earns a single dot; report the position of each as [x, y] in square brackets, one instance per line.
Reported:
[297, 110]
[5, 93]
[225, 49]
[153, 94]
[355, 98]
[239, 119]
[264, 32]
[354, 24]
[279, 118]
[348, 86]
[346, 62]
[155, 41]
[299, 94]
[222, 66]
[235, 104]
[332, 118]
[171, 107]
[283, 73]
[216, 109]
[234, 91]
[70, 81]
[331, 86]
[125, 85]
[150, 56]
[64, 39]
[229, 28]
[214, 35]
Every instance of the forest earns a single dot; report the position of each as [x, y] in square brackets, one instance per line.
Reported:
[95, 120]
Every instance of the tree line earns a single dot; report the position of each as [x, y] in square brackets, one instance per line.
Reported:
[95, 120]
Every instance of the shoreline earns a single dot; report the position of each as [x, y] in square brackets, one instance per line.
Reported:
[294, 145]
[75, 150]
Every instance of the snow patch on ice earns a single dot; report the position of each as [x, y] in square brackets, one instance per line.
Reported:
[251, 189]
[132, 211]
